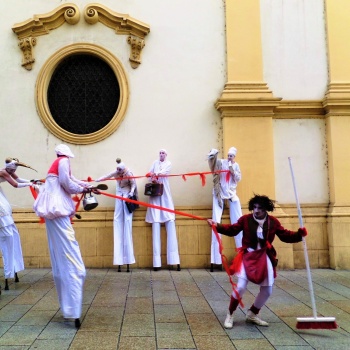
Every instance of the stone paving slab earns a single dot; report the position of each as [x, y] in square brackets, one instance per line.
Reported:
[171, 309]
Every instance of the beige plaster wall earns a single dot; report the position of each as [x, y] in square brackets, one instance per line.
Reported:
[171, 102]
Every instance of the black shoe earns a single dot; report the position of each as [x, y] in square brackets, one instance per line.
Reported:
[156, 268]
[77, 323]
[178, 267]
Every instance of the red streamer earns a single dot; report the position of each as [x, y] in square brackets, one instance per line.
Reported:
[201, 175]
[228, 269]
[223, 256]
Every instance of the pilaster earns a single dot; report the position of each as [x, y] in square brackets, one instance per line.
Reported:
[337, 107]
[246, 103]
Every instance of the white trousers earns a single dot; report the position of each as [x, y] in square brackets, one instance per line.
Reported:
[68, 268]
[261, 298]
[235, 214]
[10, 245]
[173, 257]
[122, 234]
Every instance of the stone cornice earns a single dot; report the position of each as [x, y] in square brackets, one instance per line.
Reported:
[246, 99]
[254, 99]
[299, 109]
[121, 23]
[42, 24]
[337, 99]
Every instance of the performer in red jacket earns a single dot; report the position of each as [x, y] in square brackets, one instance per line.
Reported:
[256, 261]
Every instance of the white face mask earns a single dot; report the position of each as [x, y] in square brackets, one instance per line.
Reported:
[162, 156]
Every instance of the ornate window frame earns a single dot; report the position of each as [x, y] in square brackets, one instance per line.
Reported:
[42, 85]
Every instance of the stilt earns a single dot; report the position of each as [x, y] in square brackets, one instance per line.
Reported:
[127, 268]
[156, 268]
[77, 323]
[178, 267]
[211, 267]
[16, 277]
[119, 269]
[6, 284]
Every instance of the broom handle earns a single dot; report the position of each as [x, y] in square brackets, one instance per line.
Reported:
[311, 289]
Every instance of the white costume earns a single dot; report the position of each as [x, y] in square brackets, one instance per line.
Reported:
[156, 216]
[224, 188]
[54, 203]
[10, 242]
[122, 222]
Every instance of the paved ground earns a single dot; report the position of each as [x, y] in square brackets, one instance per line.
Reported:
[171, 310]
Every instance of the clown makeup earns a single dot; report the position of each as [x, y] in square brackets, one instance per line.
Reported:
[259, 212]
[10, 171]
[231, 157]
[120, 170]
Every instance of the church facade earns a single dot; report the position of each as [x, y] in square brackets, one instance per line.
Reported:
[124, 79]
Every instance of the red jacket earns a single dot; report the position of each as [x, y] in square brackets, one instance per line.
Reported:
[271, 228]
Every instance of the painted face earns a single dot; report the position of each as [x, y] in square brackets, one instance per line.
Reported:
[10, 171]
[162, 156]
[120, 171]
[231, 157]
[258, 211]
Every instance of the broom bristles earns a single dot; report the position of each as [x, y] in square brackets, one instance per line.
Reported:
[316, 323]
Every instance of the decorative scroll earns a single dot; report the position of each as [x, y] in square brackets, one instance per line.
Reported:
[122, 24]
[40, 25]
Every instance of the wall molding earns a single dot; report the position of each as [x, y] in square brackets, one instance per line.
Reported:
[28, 30]
[121, 24]
[42, 24]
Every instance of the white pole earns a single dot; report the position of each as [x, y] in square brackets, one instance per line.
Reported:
[311, 289]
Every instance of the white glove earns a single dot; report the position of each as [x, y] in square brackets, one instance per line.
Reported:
[131, 193]
[213, 152]
[23, 184]
[22, 180]
[98, 180]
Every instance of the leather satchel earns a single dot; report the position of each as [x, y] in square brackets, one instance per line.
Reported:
[132, 206]
[153, 189]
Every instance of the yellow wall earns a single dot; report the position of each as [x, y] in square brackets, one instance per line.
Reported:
[94, 233]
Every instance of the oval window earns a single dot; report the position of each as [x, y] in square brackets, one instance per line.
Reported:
[82, 93]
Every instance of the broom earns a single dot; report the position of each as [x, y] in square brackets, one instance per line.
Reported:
[309, 322]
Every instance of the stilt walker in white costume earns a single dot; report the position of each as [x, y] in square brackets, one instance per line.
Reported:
[156, 216]
[224, 189]
[55, 204]
[10, 241]
[122, 221]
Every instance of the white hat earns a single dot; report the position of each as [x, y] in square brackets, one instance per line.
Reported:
[64, 150]
[232, 150]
